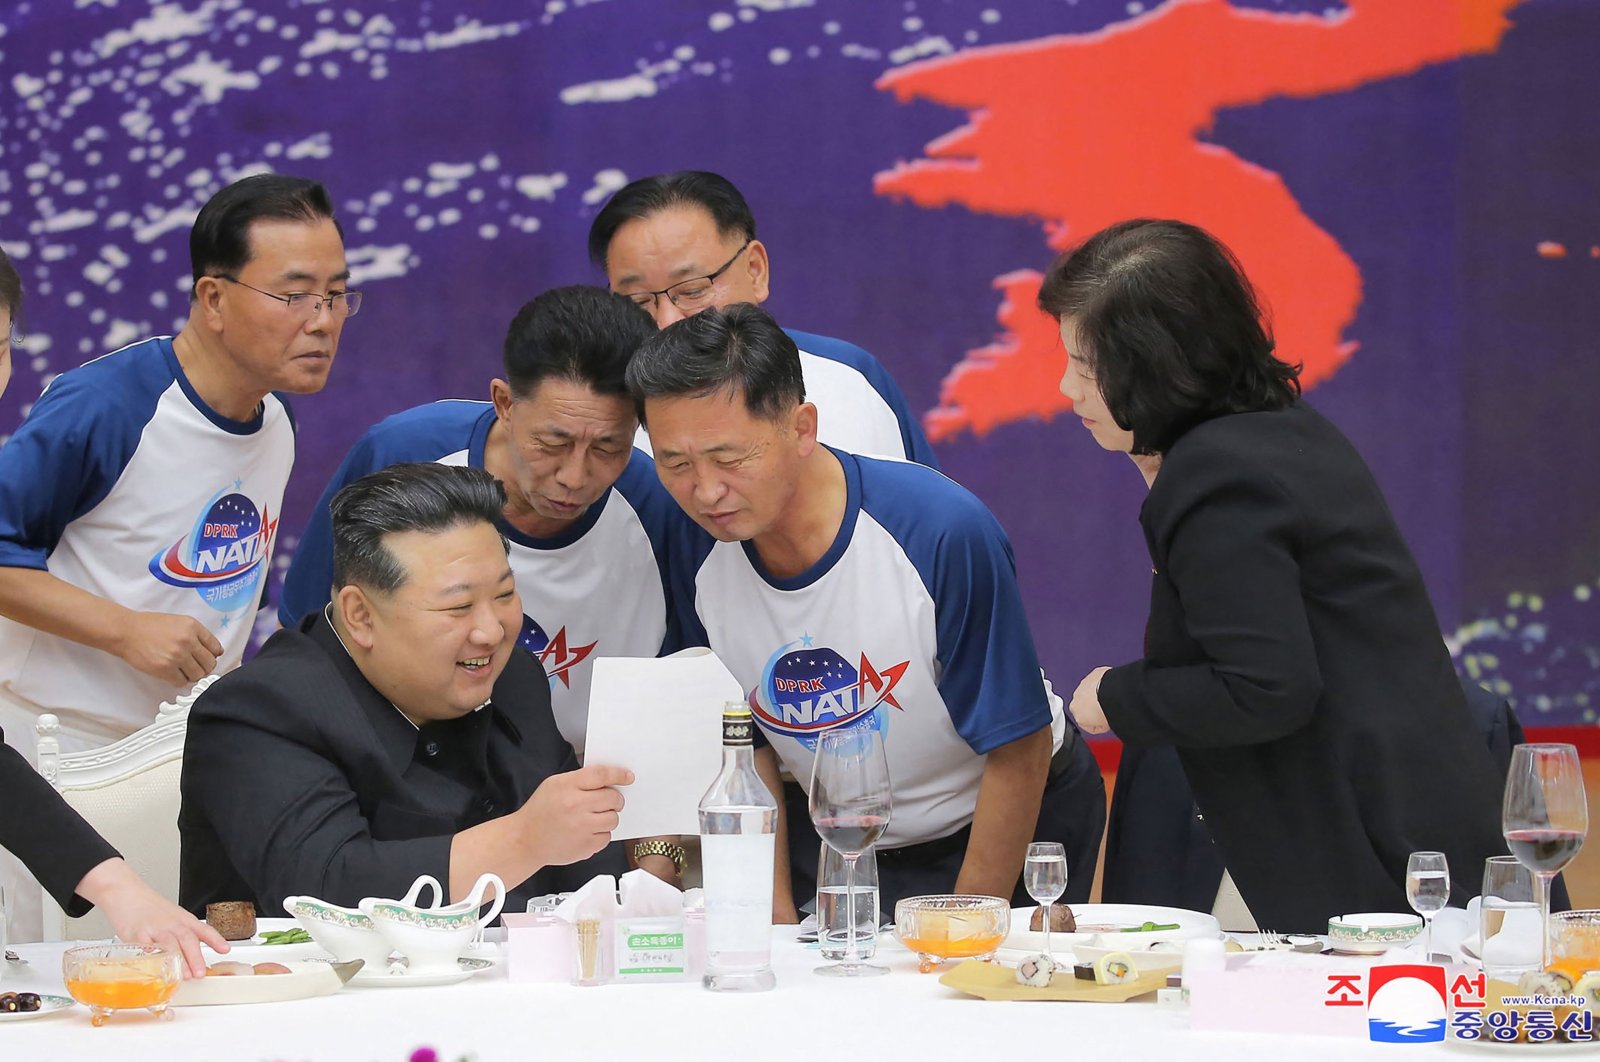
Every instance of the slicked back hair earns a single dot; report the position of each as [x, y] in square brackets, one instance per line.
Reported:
[580, 333]
[220, 240]
[738, 348]
[431, 498]
[648, 196]
[1170, 328]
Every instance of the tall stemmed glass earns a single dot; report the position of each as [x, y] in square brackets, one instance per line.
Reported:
[1428, 891]
[1545, 815]
[850, 806]
[1045, 876]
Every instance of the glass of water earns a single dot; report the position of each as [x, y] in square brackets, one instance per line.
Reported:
[1428, 891]
[833, 919]
[1044, 875]
[1509, 925]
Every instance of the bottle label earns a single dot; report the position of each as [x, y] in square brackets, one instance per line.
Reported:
[737, 729]
[738, 889]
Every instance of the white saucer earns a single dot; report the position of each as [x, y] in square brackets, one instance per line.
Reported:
[47, 1005]
[396, 977]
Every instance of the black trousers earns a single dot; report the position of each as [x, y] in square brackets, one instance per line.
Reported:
[1073, 812]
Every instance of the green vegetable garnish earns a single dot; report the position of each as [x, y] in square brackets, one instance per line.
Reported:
[286, 936]
[1151, 927]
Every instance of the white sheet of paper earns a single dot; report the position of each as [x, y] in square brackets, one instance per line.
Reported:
[661, 719]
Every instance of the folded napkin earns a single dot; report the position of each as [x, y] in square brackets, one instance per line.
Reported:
[643, 895]
[597, 898]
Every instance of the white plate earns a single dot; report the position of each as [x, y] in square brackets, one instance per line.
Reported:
[47, 1005]
[392, 979]
[305, 980]
[1191, 925]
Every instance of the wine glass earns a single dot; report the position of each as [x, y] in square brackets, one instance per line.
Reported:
[850, 807]
[1545, 815]
[1427, 890]
[1045, 876]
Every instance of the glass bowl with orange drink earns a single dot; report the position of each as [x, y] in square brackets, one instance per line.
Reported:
[1575, 943]
[940, 928]
[108, 977]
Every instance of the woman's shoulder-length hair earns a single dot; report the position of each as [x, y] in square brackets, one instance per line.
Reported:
[1170, 329]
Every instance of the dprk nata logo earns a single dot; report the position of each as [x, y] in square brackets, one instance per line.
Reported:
[224, 555]
[811, 689]
[554, 653]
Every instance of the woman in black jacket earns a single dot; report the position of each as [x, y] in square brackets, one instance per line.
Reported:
[1292, 658]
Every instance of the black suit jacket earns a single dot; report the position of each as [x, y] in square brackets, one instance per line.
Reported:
[1294, 661]
[39, 828]
[298, 779]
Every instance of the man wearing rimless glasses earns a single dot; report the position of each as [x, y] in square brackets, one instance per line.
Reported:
[139, 501]
[679, 243]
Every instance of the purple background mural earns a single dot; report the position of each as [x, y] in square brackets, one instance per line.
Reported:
[469, 144]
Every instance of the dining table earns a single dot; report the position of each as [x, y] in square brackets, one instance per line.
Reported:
[904, 1015]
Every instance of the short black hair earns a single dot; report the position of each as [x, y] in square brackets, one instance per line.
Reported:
[1170, 327]
[737, 348]
[220, 239]
[10, 287]
[647, 196]
[580, 333]
[405, 497]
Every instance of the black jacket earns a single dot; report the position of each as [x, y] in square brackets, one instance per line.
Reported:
[299, 778]
[1295, 663]
[39, 828]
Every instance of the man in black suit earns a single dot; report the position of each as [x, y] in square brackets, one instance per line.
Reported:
[398, 732]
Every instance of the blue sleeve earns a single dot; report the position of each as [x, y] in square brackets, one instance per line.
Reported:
[917, 446]
[989, 671]
[679, 544]
[308, 584]
[64, 460]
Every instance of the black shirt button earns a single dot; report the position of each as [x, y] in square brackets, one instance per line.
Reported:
[431, 748]
[488, 806]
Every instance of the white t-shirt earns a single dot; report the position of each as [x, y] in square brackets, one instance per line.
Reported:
[912, 623]
[123, 482]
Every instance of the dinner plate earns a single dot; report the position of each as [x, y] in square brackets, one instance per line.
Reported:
[1101, 924]
[306, 979]
[398, 977]
[47, 1005]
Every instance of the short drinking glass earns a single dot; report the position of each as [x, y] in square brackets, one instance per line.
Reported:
[1508, 920]
[1044, 875]
[833, 905]
[1428, 891]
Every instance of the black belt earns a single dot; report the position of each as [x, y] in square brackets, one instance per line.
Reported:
[942, 847]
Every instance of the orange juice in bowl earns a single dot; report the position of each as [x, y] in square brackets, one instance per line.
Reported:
[108, 977]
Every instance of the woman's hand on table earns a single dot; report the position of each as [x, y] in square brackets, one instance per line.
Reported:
[141, 915]
[1085, 706]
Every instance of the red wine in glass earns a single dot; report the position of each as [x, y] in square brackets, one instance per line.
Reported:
[1544, 851]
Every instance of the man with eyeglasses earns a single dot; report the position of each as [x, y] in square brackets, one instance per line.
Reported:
[140, 499]
[678, 243]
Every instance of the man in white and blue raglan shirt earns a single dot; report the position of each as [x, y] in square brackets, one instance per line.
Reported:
[586, 518]
[140, 498]
[678, 243]
[848, 591]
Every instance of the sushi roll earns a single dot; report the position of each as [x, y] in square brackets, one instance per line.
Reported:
[1114, 968]
[1035, 971]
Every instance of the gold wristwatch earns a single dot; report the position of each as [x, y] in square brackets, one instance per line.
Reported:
[672, 851]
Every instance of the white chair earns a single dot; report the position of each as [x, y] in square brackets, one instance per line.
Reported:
[128, 791]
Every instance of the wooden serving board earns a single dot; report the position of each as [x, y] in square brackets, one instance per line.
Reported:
[988, 980]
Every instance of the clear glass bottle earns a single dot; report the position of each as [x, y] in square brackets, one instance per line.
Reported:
[738, 832]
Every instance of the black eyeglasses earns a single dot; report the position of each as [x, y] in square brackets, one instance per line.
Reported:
[307, 304]
[692, 294]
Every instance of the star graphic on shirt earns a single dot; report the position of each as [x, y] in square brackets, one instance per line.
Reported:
[806, 641]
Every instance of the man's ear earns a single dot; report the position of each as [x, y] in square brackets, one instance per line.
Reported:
[355, 612]
[500, 395]
[804, 424]
[208, 296]
[760, 269]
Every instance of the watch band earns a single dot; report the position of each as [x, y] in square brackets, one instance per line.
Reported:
[672, 851]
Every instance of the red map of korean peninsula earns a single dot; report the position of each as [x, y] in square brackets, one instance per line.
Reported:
[1084, 130]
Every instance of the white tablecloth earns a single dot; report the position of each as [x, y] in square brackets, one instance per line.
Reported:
[904, 1015]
